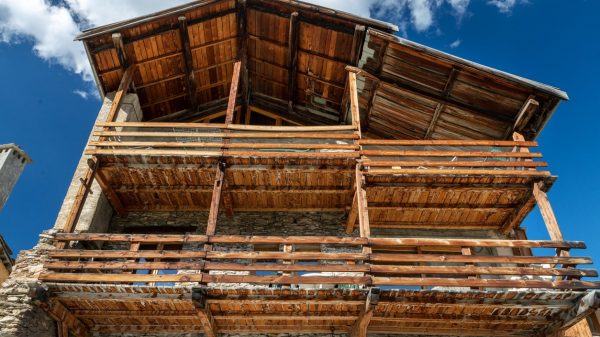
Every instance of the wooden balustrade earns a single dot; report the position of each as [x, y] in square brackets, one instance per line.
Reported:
[201, 139]
[393, 261]
[457, 157]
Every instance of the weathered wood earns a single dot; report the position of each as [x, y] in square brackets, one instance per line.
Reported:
[547, 213]
[354, 104]
[448, 142]
[475, 243]
[440, 106]
[359, 329]
[525, 113]
[361, 204]
[586, 306]
[242, 21]
[494, 283]
[112, 144]
[79, 201]
[146, 238]
[352, 215]
[440, 163]
[416, 153]
[67, 321]
[110, 194]
[120, 94]
[188, 63]
[292, 61]
[450, 172]
[213, 212]
[235, 82]
[117, 278]
[119, 254]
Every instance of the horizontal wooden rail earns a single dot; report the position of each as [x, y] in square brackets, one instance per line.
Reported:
[239, 127]
[265, 135]
[493, 143]
[344, 262]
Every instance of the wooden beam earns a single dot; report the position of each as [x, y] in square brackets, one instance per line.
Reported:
[121, 91]
[233, 89]
[354, 104]
[525, 113]
[293, 37]
[586, 306]
[188, 63]
[110, 194]
[121, 54]
[213, 212]
[242, 20]
[359, 329]
[66, 320]
[547, 213]
[203, 312]
[440, 107]
[352, 215]
[77, 206]
[357, 44]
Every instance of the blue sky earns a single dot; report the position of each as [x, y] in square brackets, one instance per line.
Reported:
[551, 41]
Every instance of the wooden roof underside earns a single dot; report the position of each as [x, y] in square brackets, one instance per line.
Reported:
[295, 55]
[121, 308]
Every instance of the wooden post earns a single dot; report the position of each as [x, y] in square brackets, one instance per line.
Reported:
[361, 325]
[352, 215]
[213, 213]
[354, 107]
[121, 91]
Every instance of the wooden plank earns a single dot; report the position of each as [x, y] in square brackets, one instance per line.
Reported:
[257, 239]
[413, 153]
[120, 254]
[112, 144]
[252, 255]
[235, 81]
[361, 204]
[439, 163]
[117, 278]
[494, 283]
[145, 238]
[188, 63]
[293, 38]
[383, 242]
[242, 30]
[448, 142]
[449, 172]
[362, 280]
[473, 270]
[525, 113]
[279, 134]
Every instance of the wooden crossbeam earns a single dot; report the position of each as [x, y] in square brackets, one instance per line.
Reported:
[293, 37]
[188, 63]
[119, 46]
[547, 213]
[357, 44]
[525, 114]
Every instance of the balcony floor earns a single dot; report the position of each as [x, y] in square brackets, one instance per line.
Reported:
[122, 308]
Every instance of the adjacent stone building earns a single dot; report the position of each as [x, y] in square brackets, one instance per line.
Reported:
[12, 163]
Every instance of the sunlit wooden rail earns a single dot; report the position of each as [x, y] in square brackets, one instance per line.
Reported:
[216, 140]
[393, 262]
[456, 157]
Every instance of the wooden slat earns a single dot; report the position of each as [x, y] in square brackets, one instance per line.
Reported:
[448, 142]
[431, 163]
[497, 283]
[475, 243]
[412, 153]
[449, 172]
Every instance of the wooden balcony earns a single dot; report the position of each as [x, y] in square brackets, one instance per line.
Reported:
[310, 284]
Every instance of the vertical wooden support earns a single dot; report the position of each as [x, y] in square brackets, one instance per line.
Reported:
[352, 215]
[292, 58]
[361, 325]
[188, 63]
[107, 190]
[213, 212]
[354, 107]
[362, 207]
[63, 330]
[242, 19]
[203, 312]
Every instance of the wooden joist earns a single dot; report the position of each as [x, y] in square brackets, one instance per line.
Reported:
[67, 322]
[242, 30]
[293, 37]
[191, 88]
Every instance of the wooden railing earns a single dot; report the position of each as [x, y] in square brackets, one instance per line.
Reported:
[215, 140]
[301, 261]
[418, 157]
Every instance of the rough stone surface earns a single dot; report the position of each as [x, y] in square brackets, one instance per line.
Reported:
[12, 163]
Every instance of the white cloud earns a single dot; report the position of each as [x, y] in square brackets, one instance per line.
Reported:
[505, 6]
[81, 93]
[51, 26]
[456, 43]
